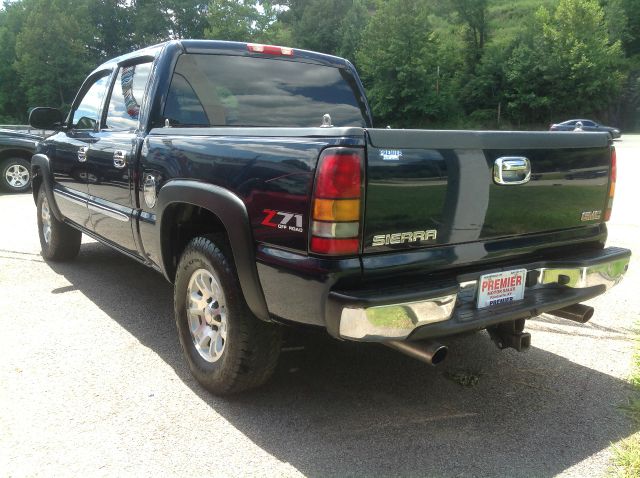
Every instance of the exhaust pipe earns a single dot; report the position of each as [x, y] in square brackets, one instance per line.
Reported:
[426, 351]
[577, 312]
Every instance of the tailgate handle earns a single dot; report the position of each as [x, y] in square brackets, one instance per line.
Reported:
[511, 170]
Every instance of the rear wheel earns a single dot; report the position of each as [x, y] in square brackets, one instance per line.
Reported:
[15, 175]
[227, 348]
[59, 241]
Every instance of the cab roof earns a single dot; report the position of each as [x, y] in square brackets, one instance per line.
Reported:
[219, 47]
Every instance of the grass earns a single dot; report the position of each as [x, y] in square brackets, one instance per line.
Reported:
[627, 452]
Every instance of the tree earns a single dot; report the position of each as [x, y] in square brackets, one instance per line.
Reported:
[473, 15]
[189, 18]
[13, 103]
[565, 63]
[112, 22]
[631, 40]
[241, 20]
[329, 26]
[52, 58]
[410, 77]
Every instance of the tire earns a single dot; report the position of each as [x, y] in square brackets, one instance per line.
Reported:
[59, 241]
[228, 349]
[15, 175]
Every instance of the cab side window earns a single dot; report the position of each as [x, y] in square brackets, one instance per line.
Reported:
[126, 97]
[183, 106]
[87, 114]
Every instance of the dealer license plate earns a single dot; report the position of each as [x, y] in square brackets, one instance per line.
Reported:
[501, 288]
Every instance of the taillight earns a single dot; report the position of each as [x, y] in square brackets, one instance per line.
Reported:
[612, 184]
[269, 49]
[337, 202]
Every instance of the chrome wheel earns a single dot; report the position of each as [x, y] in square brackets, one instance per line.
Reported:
[207, 315]
[17, 176]
[46, 220]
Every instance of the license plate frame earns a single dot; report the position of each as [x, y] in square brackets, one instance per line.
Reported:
[501, 288]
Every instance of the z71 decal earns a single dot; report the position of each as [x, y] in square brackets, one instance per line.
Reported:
[282, 220]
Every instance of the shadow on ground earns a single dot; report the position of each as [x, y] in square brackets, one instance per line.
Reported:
[347, 409]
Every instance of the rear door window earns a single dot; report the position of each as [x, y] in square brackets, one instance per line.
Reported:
[218, 90]
[126, 97]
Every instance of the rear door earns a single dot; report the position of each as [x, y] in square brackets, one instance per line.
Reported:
[430, 188]
[71, 147]
[112, 158]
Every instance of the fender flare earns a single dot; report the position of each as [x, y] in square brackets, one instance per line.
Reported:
[231, 211]
[40, 169]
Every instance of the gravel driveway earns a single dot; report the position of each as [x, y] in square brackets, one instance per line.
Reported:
[92, 382]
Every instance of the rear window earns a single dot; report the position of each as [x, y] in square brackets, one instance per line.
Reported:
[217, 90]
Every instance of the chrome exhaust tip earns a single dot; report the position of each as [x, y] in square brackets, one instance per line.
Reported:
[577, 312]
[426, 351]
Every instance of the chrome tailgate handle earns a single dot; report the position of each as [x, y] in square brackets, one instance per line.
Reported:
[511, 170]
[120, 159]
[82, 153]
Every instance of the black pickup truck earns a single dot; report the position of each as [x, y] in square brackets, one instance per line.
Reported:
[252, 178]
[16, 149]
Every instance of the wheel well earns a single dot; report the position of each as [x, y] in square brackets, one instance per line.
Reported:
[16, 153]
[182, 222]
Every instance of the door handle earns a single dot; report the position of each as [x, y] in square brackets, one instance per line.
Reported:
[82, 153]
[511, 170]
[120, 159]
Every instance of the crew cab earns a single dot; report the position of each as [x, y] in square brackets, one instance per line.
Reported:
[252, 177]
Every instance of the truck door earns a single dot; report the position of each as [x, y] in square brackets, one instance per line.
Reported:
[68, 161]
[112, 158]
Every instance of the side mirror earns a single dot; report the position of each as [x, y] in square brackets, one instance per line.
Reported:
[46, 118]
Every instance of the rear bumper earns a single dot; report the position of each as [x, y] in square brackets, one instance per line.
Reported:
[421, 311]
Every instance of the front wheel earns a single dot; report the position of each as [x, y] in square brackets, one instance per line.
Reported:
[59, 241]
[227, 348]
[15, 175]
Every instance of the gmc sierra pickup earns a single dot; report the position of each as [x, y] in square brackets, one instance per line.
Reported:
[252, 178]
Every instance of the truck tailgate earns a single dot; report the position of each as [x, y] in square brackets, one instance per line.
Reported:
[432, 188]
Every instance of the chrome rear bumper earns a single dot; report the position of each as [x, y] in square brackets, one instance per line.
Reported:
[451, 309]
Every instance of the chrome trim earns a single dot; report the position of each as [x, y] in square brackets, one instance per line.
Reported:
[150, 190]
[82, 153]
[398, 321]
[64, 195]
[119, 159]
[107, 211]
[513, 164]
[395, 321]
[608, 274]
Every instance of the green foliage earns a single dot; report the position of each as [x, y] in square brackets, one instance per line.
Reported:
[425, 63]
[232, 20]
[631, 22]
[564, 63]
[409, 74]
[329, 26]
[13, 103]
[627, 452]
[473, 15]
[46, 76]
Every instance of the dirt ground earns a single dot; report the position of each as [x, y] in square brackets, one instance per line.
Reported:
[92, 382]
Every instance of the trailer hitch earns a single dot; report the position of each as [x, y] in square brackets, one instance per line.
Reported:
[510, 335]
